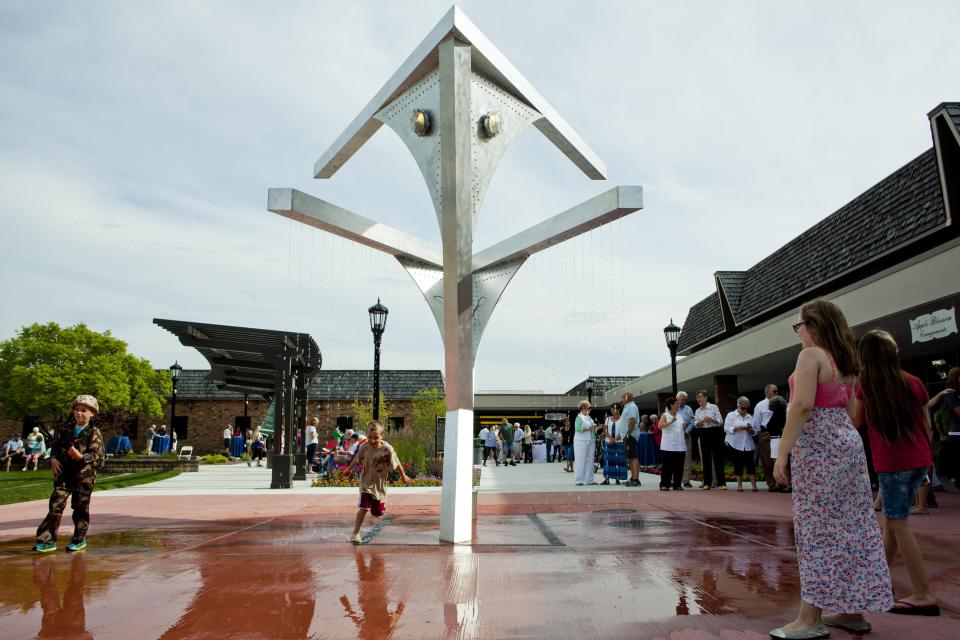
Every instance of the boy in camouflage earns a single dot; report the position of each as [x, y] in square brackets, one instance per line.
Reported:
[77, 454]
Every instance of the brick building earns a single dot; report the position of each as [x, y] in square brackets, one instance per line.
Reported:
[207, 409]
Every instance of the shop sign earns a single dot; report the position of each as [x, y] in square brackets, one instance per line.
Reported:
[554, 417]
[933, 326]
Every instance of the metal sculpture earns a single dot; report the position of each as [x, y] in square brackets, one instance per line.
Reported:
[457, 103]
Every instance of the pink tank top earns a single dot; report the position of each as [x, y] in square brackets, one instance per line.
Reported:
[831, 394]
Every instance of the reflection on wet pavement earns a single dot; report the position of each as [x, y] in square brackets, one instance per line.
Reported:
[608, 574]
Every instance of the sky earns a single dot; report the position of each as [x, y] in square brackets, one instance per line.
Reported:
[138, 141]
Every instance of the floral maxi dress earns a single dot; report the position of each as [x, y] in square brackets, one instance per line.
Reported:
[839, 544]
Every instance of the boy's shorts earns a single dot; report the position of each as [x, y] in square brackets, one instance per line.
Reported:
[508, 448]
[371, 504]
[898, 491]
[630, 448]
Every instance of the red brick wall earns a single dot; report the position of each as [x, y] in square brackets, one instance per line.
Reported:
[207, 419]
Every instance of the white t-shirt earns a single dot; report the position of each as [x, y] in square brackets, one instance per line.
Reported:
[227, 433]
[518, 435]
[483, 434]
[312, 437]
[673, 436]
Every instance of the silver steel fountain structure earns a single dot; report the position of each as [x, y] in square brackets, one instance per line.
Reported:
[457, 103]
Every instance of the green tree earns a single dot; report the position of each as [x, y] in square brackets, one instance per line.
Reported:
[428, 404]
[363, 412]
[45, 366]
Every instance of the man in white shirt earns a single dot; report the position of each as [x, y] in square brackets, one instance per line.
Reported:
[685, 411]
[761, 416]
[628, 433]
[313, 440]
[708, 423]
[12, 449]
[227, 434]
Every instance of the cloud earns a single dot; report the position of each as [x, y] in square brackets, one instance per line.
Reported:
[137, 142]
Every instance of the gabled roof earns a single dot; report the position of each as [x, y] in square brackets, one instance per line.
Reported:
[900, 208]
[486, 60]
[729, 287]
[704, 321]
[862, 237]
[601, 384]
[343, 385]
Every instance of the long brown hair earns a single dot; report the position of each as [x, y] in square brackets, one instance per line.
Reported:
[831, 332]
[891, 407]
[953, 379]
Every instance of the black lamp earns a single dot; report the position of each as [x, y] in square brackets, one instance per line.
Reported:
[175, 370]
[378, 322]
[671, 333]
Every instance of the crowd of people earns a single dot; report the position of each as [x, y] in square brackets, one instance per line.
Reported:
[15, 450]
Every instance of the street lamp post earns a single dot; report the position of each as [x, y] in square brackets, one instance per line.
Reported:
[671, 333]
[175, 370]
[590, 390]
[378, 322]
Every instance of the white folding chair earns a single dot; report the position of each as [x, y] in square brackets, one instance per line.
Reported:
[185, 452]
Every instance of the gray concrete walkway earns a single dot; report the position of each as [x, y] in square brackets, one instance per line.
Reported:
[239, 479]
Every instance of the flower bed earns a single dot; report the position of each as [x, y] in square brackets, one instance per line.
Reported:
[341, 478]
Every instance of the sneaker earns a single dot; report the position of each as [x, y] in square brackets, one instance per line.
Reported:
[77, 546]
[705, 487]
[248, 463]
[688, 484]
[45, 547]
[722, 487]
[356, 539]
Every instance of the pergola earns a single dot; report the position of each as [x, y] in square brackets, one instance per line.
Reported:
[277, 365]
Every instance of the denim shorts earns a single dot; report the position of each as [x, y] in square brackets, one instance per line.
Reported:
[898, 490]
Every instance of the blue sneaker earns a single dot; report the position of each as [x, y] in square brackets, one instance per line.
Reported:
[76, 546]
[45, 547]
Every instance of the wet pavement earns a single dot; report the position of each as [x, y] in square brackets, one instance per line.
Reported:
[232, 559]
[614, 572]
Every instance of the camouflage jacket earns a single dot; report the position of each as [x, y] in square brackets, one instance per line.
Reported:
[89, 443]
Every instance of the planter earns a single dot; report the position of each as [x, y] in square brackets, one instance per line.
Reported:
[137, 465]
[477, 455]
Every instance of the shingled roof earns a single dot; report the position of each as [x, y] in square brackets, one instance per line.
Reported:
[899, 211]
[601, 384]
[729, 288]
[704, 321]
[327, 385]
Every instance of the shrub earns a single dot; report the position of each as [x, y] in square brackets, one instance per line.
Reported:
[409, 449]
[215, 458]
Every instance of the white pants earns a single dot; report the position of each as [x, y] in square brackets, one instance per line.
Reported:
[583, 453]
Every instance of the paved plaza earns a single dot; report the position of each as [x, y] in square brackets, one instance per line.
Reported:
[550, 560]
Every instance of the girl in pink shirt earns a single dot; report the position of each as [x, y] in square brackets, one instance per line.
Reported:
[893, 405]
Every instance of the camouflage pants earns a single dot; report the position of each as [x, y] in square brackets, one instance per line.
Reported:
[79, 490]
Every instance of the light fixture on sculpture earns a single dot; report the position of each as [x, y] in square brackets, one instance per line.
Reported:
[457, 103]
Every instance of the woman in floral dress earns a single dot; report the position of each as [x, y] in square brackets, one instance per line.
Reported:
[839, 544]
